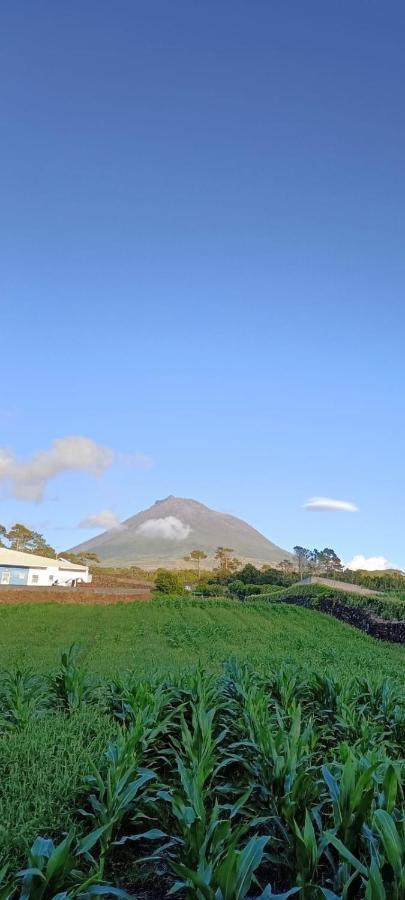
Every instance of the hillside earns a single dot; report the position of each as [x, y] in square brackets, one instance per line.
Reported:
[171, 528]
[172, 636]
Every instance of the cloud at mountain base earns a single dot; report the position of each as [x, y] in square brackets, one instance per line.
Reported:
[169, 528]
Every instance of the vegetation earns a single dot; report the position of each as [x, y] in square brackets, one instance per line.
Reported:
[264, 785]
[167, 582]
[321, 562]
[387, 606]
[19, 537]
[387, 580]
[173, 635]
[197, 556]
[226, 563]
[85, 558]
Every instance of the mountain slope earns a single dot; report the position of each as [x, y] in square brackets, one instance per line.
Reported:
[171, 528]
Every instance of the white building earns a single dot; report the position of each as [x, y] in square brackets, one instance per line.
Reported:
[18, 568]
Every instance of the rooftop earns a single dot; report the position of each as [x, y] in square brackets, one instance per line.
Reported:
[19, 558]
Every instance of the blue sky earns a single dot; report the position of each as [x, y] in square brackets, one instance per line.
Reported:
[202, 233]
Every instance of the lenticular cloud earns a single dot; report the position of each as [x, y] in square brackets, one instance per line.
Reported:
[326, 504]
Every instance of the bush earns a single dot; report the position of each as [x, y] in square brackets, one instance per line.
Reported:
[209, 589]
[168, 582]
[238, 589]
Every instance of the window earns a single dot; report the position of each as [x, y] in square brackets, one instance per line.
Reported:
[50, 578]
[34, 579]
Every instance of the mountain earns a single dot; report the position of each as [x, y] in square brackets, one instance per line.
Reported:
[166, 532]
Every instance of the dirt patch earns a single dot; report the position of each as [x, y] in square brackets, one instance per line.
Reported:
[79, 595]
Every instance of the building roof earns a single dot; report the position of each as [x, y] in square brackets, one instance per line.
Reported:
[19, 558]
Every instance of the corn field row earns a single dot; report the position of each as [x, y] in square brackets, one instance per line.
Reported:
[223, 788]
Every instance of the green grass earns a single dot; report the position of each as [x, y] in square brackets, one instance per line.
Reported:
[43, 760]
[173, 636]
[389, 606]
[206, 780]
[41, 775]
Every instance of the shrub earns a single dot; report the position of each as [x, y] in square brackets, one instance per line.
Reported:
[168, 582]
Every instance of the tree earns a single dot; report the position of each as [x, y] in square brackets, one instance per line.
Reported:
[226, 563]
[303, 556]
[82, 559]
[250, 575]
[286, 565]
[3, 536]
[19, 537]
[167, 582]
[329, 561]
[198, 556]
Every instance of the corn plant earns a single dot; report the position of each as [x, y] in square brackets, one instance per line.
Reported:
[7, 884]
[146, 709]
[52, 872]
[72, 685]
[277, 756]
[387, 870]
[123, 785]
[23, 696]
[352, 797]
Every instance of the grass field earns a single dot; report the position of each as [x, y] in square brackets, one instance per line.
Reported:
[173, 636]
[249, 746]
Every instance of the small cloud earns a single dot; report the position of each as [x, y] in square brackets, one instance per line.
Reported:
[370, 563]
[326, 504]
[28, 478]
[104, 519]
[169, 528]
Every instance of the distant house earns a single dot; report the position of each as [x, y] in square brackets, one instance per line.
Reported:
[18, 568]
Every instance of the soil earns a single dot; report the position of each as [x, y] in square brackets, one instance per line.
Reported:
[84, 594]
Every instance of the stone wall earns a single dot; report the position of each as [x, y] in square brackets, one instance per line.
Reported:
[393, 631]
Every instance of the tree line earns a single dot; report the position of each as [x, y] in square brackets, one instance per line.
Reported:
[21, 538]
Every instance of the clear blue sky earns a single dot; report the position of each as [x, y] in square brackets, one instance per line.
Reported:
[202, 242]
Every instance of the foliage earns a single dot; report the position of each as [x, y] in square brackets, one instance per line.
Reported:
[376, 581]
[167, 582]
[320, 562]
[171, 635]
[41, 774]
[226, 563]
[198, 556]
[85, 558]
[281, 577]
[19, 537]
[264, 785]
[241, 590]
[387, 606]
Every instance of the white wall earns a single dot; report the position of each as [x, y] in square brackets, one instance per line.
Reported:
[46, 577]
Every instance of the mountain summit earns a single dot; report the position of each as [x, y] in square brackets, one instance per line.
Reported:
[167, 532]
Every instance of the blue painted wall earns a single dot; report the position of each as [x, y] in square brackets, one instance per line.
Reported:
[19, 575]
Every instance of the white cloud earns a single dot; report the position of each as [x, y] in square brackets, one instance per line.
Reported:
[170, 528]
[326, 504]
[28, 478]
[104, 519]
[370, 563]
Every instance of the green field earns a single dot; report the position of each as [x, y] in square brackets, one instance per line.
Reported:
[173, 636]
[232, 729]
